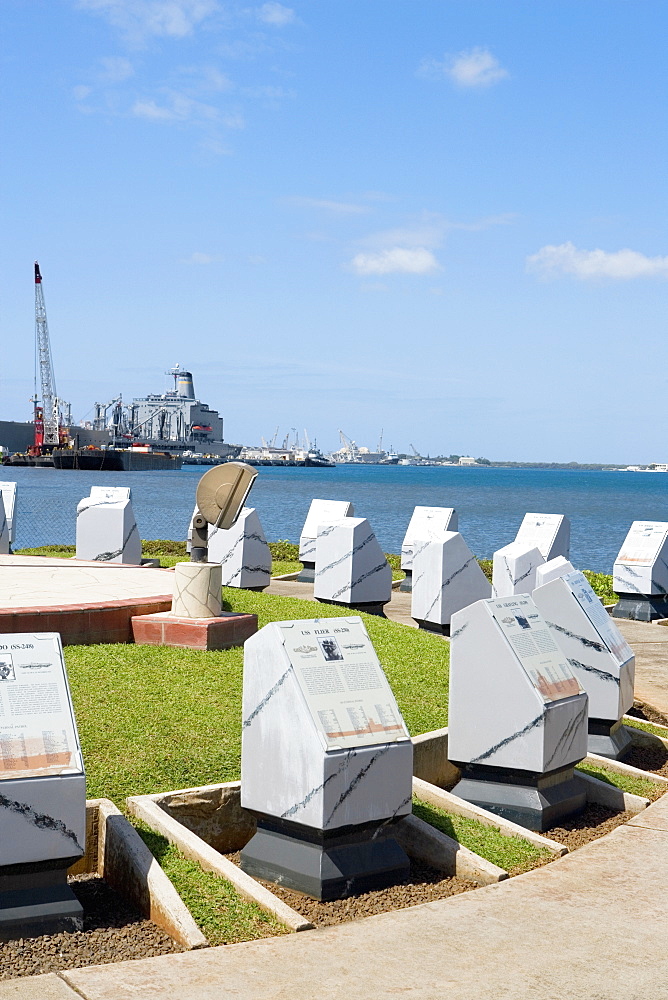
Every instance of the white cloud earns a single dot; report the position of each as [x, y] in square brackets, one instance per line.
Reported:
[398, 260]
[115, 69]
[139, 19]
[179, 108]
[338, 207]
[552, 261]
[81, 92]
[475, 67]
[203, 258]
[276, 14]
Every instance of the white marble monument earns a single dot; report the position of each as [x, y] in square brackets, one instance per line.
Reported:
[517, 716]
[350, 566]
[427, 524]
[9, 492]
[106, 527]
[197, 591]
[446, 578]
[514, 569]
[320, 513]
[552, 570]
[549, 533]
[5, 545]
[600, 656]
[242, 552]
[326, 760]
[640, 573]
[42, 789]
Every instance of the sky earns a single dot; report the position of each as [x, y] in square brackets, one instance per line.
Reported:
[442, 220]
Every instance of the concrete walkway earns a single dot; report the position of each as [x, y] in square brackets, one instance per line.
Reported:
[591, 926]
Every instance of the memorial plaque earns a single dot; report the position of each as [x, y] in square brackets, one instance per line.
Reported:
[549, 533]
[517, 720]
[38, 735]
[531, 641]
[326, 761]
[598, 616]
[343, 683]
[643, 543]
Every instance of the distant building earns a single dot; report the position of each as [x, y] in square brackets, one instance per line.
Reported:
[467, 460]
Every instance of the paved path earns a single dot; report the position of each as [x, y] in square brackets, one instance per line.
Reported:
[591, 926]
[649, 642]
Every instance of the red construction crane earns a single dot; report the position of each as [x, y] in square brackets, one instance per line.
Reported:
[49, 432]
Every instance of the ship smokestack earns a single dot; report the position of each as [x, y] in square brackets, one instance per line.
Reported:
[184, 385]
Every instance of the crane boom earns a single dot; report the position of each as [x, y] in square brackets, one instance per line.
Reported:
[50, 408]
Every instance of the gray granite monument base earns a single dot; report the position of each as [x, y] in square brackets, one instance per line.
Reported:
[35, 899]
[641, 607]
[307, 573]
[608, 739]
[324, 865]
[535, 801]
[432, 626]
[406, 586]
[369, 607]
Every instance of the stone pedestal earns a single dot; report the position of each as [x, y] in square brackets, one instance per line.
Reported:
[517, 714]
[35, 899]
[167, 629]
[350, 567]
[326, 761]
[514, 569]
[107, 530]
[197, 590]
[640, 573]
[427, 524]
[446, 578]
[549, 533]
[599, 654]
[242, 552]
[320, 513]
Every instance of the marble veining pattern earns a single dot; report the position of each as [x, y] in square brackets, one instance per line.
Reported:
[604, 675]
[589, 643]
[106, 531]
[350, 565]
[567, 741]
[197, 590]
[242, 551]
[267, 698]
[359, 777]
[40, 820]
[509, 739]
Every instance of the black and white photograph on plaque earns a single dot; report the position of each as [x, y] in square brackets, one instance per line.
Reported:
[330, 649]
[7, 669]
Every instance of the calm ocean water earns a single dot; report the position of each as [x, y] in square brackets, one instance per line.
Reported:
[490, 502]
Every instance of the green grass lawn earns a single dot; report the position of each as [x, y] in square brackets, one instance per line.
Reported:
[152, 718]
[647, 727]
[644, 787]
[513, 854]
[221, 913]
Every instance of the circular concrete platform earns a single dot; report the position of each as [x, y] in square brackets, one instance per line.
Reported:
[87, 602]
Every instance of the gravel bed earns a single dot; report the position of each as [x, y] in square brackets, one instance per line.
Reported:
[591, 823]
[647, 758]
[424, 885]
[113, 932]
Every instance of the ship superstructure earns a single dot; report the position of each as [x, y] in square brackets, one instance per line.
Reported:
[173, 421]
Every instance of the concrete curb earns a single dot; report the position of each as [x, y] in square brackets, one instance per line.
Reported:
[642, 737]
[115, 851]
[145, 808]
[619, 767]
[426, 843]
[436, 796]
[603, 794]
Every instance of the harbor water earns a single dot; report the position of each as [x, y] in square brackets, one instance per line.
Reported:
[490, 502]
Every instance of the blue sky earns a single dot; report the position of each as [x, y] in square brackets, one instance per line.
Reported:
[445, 219]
